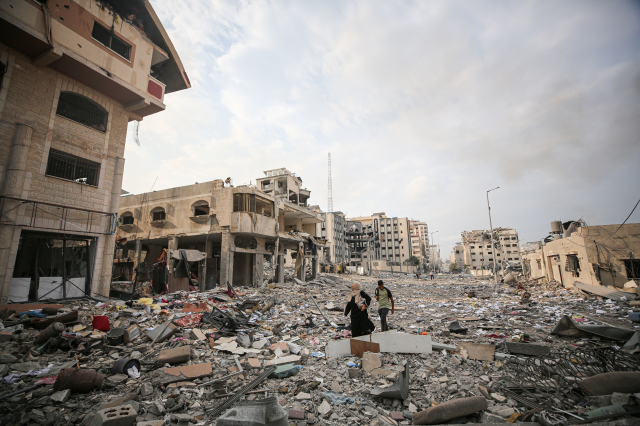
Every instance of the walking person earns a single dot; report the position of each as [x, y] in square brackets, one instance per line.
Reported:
[385, 301]
[357, 306]
[432, 274]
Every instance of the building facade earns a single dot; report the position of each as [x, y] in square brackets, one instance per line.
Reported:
[334, 230]
[479, 254]
[601, 255]
[73, 76]
[419, 240]
[235, 226]
[390, 236]
[284, 184]
[457, 255]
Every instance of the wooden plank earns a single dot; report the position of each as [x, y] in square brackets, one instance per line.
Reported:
[358, 347]
[24, 307]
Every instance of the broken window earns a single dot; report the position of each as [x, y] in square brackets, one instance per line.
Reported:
[82, 110]
[633, 268]
[200, 208]
[244, 203]
[126, 218]
[71, 167]
[158, 213]
[572, 265]
[106, 37]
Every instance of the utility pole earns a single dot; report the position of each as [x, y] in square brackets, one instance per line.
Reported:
[433, 267]
[493, 249]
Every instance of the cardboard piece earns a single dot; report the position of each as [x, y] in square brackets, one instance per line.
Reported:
[476, 351]
[359, 347]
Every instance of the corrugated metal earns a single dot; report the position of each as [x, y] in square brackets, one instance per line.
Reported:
[603, 291]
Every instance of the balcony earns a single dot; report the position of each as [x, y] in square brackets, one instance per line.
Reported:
[253, 223]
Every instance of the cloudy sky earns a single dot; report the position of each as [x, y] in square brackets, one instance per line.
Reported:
[424, 106]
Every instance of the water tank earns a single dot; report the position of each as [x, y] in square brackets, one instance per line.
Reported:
[556, 227]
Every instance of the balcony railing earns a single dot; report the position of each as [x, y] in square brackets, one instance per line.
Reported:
[56, 217]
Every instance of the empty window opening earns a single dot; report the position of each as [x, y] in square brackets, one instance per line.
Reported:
[82, 110]
[126, 218]
[71, 167]
[633, 268]
[244, 203]
[200, 208]
[265, 207]
[158, 214]
[106, 37]
[572, 265]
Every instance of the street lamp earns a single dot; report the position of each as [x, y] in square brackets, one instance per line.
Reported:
[495, 274]
[433, 266]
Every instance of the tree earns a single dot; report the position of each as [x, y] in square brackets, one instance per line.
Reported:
[414, 261]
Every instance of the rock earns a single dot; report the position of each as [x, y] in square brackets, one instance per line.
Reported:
[8, 359]
[502, 411]
[61, 396]
[335, 386]
[324, 408]
[498, 397]
[370, 361]
[355, 373]
[380, 372]
[412, 408]
[491, 418]
[146, 389]
[303, 396]
[115, 380]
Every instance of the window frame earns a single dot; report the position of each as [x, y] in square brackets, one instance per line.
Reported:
[65, 156]
[111, 36]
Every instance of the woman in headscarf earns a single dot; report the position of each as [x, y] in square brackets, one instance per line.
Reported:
[357, 306]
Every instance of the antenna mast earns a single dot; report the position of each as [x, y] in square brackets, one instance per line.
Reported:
[329, 189]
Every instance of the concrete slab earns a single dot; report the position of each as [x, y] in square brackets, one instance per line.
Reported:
[389, 341]
[477, 351]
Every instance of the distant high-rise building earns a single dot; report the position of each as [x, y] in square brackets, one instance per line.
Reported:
[479, 254]
[419, 240]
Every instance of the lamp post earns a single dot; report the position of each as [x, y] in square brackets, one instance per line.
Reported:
[433, 267]
[495, 274]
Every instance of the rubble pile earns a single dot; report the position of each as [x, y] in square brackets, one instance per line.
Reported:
[460, 350]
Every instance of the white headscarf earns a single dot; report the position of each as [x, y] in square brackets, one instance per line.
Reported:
[355, 292]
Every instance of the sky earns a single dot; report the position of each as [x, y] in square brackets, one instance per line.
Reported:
[424, 106]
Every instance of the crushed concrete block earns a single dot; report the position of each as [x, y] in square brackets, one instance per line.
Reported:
[355, 373]
[491, 418]
[146, 389]
[498, 397]
[151, 423]
[197, 334]
[175, 356]
[296, 414]
[124, 415]
[396, 415]
[381, 372]
[324, 408]
[502, 411]
[370, 361]
[61, 396]
[8, 359]
[302, 396]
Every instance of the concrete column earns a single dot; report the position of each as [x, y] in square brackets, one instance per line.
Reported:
[226, 260]
[172, 244]
[280, 269]
[102, 281]
[258, 269]
[301, 274]
[314, 268]
[208, 248]
[12, 186]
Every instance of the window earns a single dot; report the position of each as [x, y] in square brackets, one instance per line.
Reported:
[71, 167]
[633, 268]
[104, 36]
[158, 214]
[265, 207]
[244, 203]
[82, 110]
[200, 208]
[473, 260]
[510, 259]
[126, 219]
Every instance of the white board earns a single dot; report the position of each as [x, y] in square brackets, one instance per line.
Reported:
[389, 341]
[50, 288]
[75, 287]
[19, 291]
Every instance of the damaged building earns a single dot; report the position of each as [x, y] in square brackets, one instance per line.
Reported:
[575, 254]
[334, 230]
[72, 76]
[236, 229]
[479, 255]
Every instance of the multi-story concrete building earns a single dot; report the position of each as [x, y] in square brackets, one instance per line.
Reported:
[391, 236]
[235, 226]
[284, 184]
[419, 240]
[457, 255]
[73, 75]
[479, 254]
[334, 230]
[434, 257]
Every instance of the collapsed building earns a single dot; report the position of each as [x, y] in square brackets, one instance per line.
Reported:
[72, 76]
[600, 258]
[236, 229]
[480, 256]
